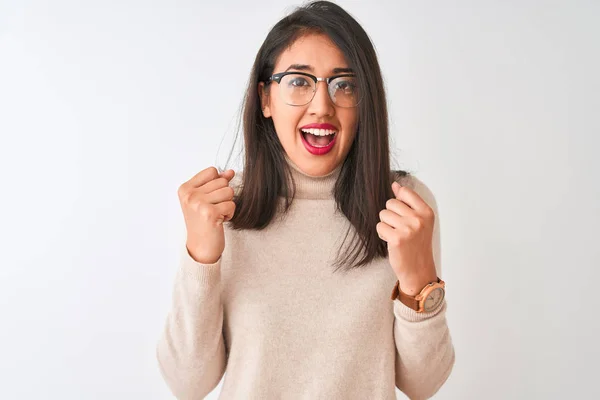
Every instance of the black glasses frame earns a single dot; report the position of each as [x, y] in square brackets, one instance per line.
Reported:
[277, 78]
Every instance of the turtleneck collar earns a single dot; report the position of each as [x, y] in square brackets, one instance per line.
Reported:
[313, 187]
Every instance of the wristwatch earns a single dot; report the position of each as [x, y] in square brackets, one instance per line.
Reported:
[427, 300]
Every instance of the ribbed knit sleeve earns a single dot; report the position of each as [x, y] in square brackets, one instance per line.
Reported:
[424, 350]
[191, 350]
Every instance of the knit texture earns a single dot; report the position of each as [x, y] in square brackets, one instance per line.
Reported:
[273, 317]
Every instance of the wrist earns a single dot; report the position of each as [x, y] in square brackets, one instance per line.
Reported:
[413, 284]
[201, 260]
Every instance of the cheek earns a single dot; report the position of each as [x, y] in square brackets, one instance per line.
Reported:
[349, 120]
[286, 120]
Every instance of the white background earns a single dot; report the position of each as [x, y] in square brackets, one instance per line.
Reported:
[106, 107]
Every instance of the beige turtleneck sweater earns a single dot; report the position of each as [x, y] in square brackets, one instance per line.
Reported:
[272, 316]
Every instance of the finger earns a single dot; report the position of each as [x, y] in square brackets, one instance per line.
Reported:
[226, 209]
[384, 231]
[219, 195]
[399, 207]
[202, 177]
[410, 197]
[214, 185]
[391, 218]
[228, 174]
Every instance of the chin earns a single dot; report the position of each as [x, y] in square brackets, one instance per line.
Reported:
[312, 165]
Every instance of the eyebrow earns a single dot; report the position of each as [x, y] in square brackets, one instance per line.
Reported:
[304, 67]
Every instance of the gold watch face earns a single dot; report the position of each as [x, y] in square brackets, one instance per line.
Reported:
[433, 299]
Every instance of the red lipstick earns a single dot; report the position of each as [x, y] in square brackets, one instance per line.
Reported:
[320, 126]
[318, 150]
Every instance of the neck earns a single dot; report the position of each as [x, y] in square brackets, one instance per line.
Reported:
[313, 187]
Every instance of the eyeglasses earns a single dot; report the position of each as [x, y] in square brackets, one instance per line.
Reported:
[299, 88]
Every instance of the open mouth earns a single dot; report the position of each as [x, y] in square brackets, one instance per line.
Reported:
[318, 138]
[318, 142]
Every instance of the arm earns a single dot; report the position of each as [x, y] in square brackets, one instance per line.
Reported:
[424, 350]
[191, 351]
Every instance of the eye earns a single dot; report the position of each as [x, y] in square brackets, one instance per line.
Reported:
[298, 81]
[346, 86]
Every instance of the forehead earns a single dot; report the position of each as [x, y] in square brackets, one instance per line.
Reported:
[316, 50]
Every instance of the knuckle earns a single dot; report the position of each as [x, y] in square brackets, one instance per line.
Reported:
[212, 170]
[389, 203]
[381, 214]
[186, 196]
[396, 240]
[413, 230]
[205, 212]
[192, 203]
[193, 200]
[406, 231]
[418, 224]
[232, 205]
[429, 214]
[181, 191]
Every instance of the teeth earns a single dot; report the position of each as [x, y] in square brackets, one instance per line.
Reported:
[319, 132]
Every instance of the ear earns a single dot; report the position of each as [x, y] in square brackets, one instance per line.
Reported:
[265, 99]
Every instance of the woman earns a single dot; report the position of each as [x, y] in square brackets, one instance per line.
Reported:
[291, 308]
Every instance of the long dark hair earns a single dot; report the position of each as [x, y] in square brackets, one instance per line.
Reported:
[364, 183]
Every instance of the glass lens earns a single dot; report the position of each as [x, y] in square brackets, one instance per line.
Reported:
[344, 91]
[297, 90]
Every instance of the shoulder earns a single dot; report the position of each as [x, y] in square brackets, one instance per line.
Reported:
[417, 185]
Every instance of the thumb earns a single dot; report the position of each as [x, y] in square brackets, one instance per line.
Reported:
[227, 174]
[395, 187]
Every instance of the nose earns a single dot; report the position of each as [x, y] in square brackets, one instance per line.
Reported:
[321, 105]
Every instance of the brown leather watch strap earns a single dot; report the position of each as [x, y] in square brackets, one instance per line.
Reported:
[407, 300]
[395, 291]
